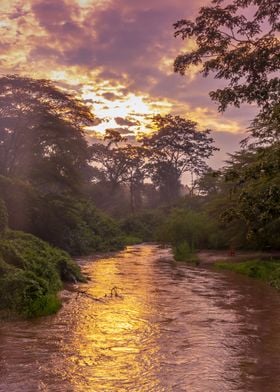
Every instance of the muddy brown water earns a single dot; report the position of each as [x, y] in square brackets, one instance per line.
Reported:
[173, 328]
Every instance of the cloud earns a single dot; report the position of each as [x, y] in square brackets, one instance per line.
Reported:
[122, 131]
[117, 55]
[126, 122]
[110, 96]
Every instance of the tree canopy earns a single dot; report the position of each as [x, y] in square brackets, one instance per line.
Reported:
[175, 148]
[238, 42]
[41, 132]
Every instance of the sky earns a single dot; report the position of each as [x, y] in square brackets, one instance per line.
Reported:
[118, 56]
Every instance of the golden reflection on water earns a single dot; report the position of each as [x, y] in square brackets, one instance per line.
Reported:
[175, 328]
[114, 338]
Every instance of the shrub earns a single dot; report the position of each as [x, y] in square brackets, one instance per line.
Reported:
[76, 226]
[143, 225]
[32, 272]
[183, 252]
[131, 240]
[188, 226]
[64, 220]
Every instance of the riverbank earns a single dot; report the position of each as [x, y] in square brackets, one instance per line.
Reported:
[264, 266]
[32, 274]
[267, 271]
[210, 257]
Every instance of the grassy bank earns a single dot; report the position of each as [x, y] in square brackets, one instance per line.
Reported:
[31, 274]
[268, 271]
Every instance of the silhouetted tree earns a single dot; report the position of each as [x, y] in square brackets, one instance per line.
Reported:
[110, 159]
[245, 50]
[120, 166]
[136, 171]
[41, 133]
[175, 148]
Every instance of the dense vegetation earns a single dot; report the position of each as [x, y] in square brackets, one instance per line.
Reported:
[44, 167]
[31, 272]
[243, 198]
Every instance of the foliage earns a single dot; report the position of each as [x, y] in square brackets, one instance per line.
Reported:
[175, 148]
[21, 200]
[123, 165]
[68, 222]
[76, 226]
[188, 230]
[3, 216]
[136, 171]
[265, 129]
[268, 271]
[31, 274]
[255, 197]
[187, 226]
[245, 50]
[131, 240]
[183, 252]
[41, 134]
[209, 183]
[143, 225]
[239, 41]
[112, 162]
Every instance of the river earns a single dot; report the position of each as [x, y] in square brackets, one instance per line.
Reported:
[172, 327]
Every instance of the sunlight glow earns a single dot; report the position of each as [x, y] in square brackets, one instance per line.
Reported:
[130, 106]
[115, 338]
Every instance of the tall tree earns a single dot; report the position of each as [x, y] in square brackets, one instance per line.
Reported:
[121, 164]
[175, 148]
[110, 158]
[136, 171]
[239, 42]
[41, 132]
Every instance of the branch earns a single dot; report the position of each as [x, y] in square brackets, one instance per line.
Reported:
[113, 293]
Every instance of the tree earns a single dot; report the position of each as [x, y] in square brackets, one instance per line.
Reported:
[209, 183]
[41, 133]
[264, 130]
[175, 148]
[254, 199]
[121, 165]
[136, 171]
[239, 42]
[110, 158]
[245, 50]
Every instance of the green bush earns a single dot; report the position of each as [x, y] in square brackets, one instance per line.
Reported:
[76, 226]
[32, 273]
[131, 240]
[183, 252]
[64, 220]
[23, 291]
[192, 227]
[143, 225]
